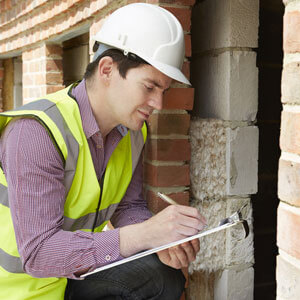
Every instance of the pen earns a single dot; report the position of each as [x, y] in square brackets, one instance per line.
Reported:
[166, 198]
[171, 201]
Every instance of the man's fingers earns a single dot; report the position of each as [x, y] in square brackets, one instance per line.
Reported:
[191, 222]
[196, 245]
[178, 253]
[189, 250]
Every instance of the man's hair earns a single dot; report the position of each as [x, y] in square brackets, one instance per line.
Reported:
[124, 62]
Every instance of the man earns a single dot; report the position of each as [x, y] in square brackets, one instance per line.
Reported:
[71, 162]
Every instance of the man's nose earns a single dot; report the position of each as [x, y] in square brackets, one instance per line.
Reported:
[157, 101]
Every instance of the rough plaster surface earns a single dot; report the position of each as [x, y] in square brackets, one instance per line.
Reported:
[223, 160]
[234, 285]
[226, 85]
[208, 160]
[225, 23]
[224, 248]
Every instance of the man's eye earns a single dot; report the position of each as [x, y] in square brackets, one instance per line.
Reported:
[149, 88]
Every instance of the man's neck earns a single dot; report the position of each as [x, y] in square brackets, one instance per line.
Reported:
[100, 109]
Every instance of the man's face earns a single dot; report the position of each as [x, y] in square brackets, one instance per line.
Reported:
[133, 99]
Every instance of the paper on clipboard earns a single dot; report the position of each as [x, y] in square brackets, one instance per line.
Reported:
[157, 249]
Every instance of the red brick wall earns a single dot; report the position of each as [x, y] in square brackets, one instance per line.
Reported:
[27, 26]
[42, 71]
[288, 237]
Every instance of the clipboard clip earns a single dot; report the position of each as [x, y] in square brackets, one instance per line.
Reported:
[237, 218]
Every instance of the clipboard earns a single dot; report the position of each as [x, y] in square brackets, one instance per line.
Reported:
[233, 220]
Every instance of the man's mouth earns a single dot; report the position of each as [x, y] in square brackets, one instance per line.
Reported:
[145, 115]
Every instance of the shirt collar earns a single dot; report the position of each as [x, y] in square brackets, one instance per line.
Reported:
[89, 124]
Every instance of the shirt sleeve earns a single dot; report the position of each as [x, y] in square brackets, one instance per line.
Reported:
[133, 207]
[34, 172]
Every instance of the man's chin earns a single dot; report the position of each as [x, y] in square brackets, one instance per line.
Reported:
[137, 126]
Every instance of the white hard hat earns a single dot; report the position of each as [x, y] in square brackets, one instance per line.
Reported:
[150, 32]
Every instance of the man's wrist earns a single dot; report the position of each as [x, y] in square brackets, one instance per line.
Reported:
[133, 239]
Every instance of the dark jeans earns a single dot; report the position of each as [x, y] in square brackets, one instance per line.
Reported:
[144, 278]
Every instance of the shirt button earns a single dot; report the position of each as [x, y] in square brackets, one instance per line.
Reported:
[99, 146]
[107, 257]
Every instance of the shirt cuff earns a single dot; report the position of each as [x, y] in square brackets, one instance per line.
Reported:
[108, 247]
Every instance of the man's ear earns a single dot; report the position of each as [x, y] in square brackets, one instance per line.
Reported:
[105, 68]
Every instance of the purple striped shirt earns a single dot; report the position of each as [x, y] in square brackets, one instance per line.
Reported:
[34, 172]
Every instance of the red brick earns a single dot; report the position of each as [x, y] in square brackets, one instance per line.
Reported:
[288, 279]
[27, 55]
[168, 150]
[54, 51]
[54, 78]
[39, 79]
[290, 83]
[28, 79]
[53, 88]
[188, 45]
[291, 32]
[33, 66]
[288, 237]
[178, 2]
[290, 132]
[167, 176]
[166, 124]
[54, 65]
[183, 15]
[179, 98]
[289, 182]
[155, 204]
[186, 69]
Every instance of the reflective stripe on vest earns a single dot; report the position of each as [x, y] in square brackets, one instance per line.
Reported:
[80, 178]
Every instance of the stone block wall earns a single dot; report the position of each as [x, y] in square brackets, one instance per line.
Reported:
[288, 219]
[224, 142]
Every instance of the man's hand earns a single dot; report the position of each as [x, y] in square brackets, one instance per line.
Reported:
[173, 223]
[181, 255]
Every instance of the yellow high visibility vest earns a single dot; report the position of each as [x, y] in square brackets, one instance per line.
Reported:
[59, 114]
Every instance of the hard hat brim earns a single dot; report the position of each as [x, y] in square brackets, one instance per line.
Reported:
[168, 70]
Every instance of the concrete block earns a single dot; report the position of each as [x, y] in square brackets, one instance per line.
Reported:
[241, 160]
[228, 247]
[234, 285]
[225, 23]
[226, 86]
